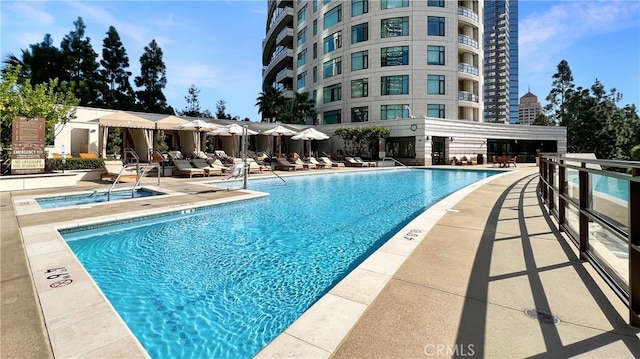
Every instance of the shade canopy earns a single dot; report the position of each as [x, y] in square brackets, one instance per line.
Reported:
[198, 125]
[125, 120]
[310, 134]
[170, 122]
[230, 130]
[279, 131]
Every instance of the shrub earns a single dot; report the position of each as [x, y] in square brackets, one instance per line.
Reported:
[73, 163]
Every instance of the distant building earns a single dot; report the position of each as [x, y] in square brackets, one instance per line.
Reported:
[500, 43]
[529, 109]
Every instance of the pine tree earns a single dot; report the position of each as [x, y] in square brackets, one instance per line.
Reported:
[152, 79]
[81, 65]
[117, 92]
[41, 63]
[562, 86]
[193, 104]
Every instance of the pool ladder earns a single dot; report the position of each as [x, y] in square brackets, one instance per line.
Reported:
[141, 171]
[394, 160]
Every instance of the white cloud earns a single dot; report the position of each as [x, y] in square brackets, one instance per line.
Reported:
[29, 13]
[98, 15]
[542, 36]
[184, 75]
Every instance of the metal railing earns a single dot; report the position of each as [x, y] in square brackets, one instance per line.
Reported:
[599, 210]
[394, 160]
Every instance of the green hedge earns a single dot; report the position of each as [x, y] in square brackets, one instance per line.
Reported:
[74, 163]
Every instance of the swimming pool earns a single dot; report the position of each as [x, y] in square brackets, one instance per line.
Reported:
[90, 198]
[224, 281]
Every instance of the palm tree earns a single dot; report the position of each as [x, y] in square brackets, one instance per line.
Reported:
[269, 102]
[297, 109]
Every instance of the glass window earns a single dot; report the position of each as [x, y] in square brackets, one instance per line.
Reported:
[359, 88]
[359, 7]
[332, 93]
[360, 60]
[360, 114]
[332, 42]
[435, 111]
[435, 25]
[333, 17]
[302, 80]
[302, 57]
[325, 2]
[392, 4]
[435, 3]
[360, 33]
[391, 112]
[315, 5]
[315, 50]
[302, 15]
[332, 68]
[302, 35]
[315, 74]
[332, 117]
[435, 84]
[394, 56]
[397, 26]
[435, 55]
[394, 85]
[315, 97]
[315, 27]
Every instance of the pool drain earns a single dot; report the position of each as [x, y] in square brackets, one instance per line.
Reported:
[542, 315]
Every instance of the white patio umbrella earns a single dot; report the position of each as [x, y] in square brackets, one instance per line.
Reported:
[231, 130]
[199, 125]
[279, 131]
[310, 134]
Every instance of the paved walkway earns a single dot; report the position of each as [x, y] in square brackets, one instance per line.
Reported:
[463, 292]
[468, 287]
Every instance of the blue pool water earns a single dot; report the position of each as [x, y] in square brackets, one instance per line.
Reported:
[90, 198]
[226, 280]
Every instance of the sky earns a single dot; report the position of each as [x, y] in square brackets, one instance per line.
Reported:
[217, 45]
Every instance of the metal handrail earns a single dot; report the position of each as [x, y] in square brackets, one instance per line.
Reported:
[117, 179]
[394, 160]
[560, 204]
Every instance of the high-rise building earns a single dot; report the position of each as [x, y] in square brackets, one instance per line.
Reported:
[500, 61]
[364, 60]
[529, 109]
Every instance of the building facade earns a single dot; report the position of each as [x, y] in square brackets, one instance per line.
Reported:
[500, 61]
[364, 60]
[529, 109]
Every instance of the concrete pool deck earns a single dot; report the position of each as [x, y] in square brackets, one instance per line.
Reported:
[465, 287]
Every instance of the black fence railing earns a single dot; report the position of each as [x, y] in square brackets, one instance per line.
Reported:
[597, 204]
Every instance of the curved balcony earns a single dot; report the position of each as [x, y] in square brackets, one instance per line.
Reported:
[468, 69]
[284, 75]
[284, 59]
[466, 40]
[468, 96]
[468, 15]
[284, 19]
[285, 37]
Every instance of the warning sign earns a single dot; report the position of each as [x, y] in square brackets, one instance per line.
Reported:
[27, 144]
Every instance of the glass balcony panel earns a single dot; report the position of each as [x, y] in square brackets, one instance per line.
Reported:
[610, 198]
[611, 252]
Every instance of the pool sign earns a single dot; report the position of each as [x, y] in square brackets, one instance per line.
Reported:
[27, 145]
[60, 275]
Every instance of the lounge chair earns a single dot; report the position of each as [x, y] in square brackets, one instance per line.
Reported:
[351, 162]
[304, 165]
[184, 167]
[455, 161]
[112, 169]
[216, 163]
[365, 163]
[283, 165]
[327, 161]
[318, 165]
[203, 164]
[254, 167]
[175, 155]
